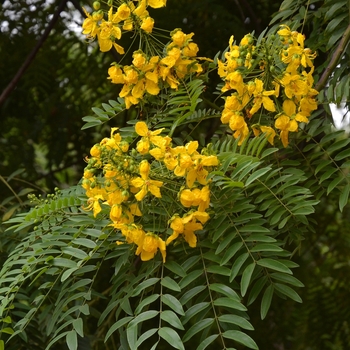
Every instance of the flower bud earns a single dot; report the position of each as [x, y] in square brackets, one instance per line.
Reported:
[96, 5]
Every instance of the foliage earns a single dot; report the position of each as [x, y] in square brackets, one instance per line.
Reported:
[227, 216]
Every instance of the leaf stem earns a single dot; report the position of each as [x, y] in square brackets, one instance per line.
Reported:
[334, 60]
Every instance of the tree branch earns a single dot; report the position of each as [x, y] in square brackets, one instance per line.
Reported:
[334, 61]
[10, 87]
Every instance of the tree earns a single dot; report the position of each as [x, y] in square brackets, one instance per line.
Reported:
[179, 235]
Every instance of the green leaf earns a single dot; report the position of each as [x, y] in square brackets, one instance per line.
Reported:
[335, 182]
[265, 247]
[289, 292]
[91, 124]
[237, 265]
[171, 317]
[191, 277]
[230, 252]
[131, 335]
[193, 310]
[147, 315]
[344, 197]
[170, 284]
[171, 337]
[256, 175]
[175, 267]
[237, 320]
[7, 330]
[197, 327]
[120, 323]
[173, 303]
[274, 265]
[2, 345]
[241, 338]
[84, 309]
[338, 144]
[85, 242]
[219, 231]
[255, 291]
[62, 262]
[191, 293]
[218, 270]
[72, 340]
[78, 326]
[101, 113]
[246, 277]
[224, 289]
[145, 302]
[343, 154]
[66, 274]
[258, 237]
[145, 284]
[286, 279]
[266, 301]
[145, 336]
[7, 319]
[229, 303]
[206, 342]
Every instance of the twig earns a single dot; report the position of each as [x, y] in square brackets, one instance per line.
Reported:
[334, 61]
[32, 55]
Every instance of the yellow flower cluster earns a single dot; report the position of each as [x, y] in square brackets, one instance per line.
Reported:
[280, 89]
[149, 74]
[127, 17]
[123, 180]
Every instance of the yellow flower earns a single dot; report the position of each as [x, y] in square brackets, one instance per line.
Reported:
[145, 184]
[189, 234]
[307, 105]
[190, 50]
[149, 246]
[197, 198]
[147, 137]
[261, 97]
[132, 232]
[123, 11]
[147, 24]
[95, 151]
[131, 75]
[233, 104]
[234, 80]
[141, 129]
[269, 132]
[187, 226]
[109, 32]
[157, 3]
[90, 24]
[139, 59]
[116, 212]
[285, 122]
[186, 198]
[289, 109]
[140, 10]
[184, 157]
[116, 75]
[294, 85]
[178, 37]
[198, 172]
[94, 204]
[238, 124]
